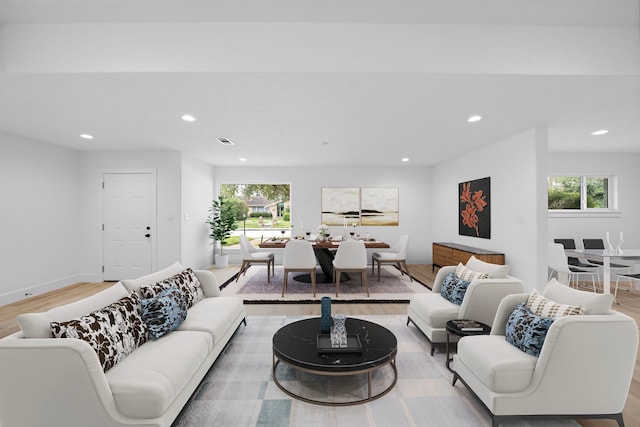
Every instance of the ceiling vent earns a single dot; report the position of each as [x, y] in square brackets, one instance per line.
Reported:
[225, 141]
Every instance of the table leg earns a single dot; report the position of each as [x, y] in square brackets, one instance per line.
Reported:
[448, 360]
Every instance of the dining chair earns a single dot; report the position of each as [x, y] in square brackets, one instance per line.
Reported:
[250, 255]
[557, 262]
[577, 262]
[630, 277]
[299, 256]
[351, 256]
[396, 255]
[599, 244]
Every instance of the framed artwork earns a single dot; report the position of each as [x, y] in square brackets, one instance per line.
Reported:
[340, 205]
[474, 211]
[379, 206]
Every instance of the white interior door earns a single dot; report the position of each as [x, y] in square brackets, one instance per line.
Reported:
[129, 224]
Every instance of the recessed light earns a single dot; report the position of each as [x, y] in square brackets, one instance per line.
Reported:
[242, 159]
[86, 136]
[225, 141]
[324, 143]
[473, 119]
[599, 132]
[405, 159]
[188, 118]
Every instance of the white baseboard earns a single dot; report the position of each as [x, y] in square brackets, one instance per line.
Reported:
[42, 288]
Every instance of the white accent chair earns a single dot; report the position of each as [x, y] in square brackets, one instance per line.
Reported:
[630, 277]
[430, 312]
[351, 257]
[396, 255]
[558, 263]
[299, 257]
[250, 255]
[584, 369]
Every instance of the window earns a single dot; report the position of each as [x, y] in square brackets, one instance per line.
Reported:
[581, 193]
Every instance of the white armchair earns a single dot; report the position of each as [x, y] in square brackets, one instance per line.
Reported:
[584, 369]
[430, 312]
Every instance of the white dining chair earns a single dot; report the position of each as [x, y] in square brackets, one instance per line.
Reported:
[557, 262]
[250, 255]
[299, 257]
[630, 277]
[351, 257]
[396, 255]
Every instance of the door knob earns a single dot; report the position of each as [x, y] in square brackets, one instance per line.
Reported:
[147, 235]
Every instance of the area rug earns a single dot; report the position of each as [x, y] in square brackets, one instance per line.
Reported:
[239, 391]
[253, 287]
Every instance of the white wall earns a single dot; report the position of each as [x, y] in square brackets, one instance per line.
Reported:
[167, 166]
[39, 216]
[625, 167]
[197, 193]
[306, 183]
[514, 167]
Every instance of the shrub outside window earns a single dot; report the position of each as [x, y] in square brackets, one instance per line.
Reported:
[580, 193]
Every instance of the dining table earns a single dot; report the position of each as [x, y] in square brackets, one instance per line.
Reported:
[605, 255]
[325, 253]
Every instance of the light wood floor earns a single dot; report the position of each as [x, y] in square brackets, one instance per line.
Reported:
[629, 303]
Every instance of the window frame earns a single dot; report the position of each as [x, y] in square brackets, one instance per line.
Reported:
[612, 197]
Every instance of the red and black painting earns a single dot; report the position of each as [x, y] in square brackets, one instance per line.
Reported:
[475, 208]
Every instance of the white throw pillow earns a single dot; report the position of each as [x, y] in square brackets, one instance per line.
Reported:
[468, 274]
[592, 302]
[150, 279]
[495, 270]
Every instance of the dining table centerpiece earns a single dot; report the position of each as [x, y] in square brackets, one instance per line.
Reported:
[323, 232]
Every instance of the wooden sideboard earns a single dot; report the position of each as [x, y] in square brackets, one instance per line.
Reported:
[446, 253]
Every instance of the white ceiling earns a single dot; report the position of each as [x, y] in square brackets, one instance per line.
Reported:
[376, 80]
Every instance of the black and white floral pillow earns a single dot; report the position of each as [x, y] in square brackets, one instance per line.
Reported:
[186, 281]
[113, 331]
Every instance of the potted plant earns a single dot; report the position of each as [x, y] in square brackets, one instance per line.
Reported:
[221, 223]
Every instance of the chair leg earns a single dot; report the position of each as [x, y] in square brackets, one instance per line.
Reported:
[336, 279]
[284, 281]
[242, 270]
[313, 282]
[269, 271]
[373, 265]
[406, 267]
[363, 278]
[379, 262]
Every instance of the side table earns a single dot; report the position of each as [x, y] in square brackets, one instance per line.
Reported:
[454, 327]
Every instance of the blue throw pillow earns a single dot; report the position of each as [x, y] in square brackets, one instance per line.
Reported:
[526, 330]
[164, 312]
[453, 288]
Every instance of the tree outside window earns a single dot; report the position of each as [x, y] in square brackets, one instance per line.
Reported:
[578, 192]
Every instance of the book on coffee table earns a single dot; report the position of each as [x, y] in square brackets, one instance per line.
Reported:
[468, 325]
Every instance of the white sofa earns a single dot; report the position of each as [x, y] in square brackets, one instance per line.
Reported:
[430, 312]
[59, 382]
[584, 369]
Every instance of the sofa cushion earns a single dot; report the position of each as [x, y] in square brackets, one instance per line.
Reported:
[592, 302]
[542, 306]
[433, 309]
[213, 315]
[37, 325]
[186, 281]
[495, 270]
[526, 331]
[470, 275]
[501, 367]
[453, 288]
[114, 331]
[148, 380]
[150, 279]
[164, 312]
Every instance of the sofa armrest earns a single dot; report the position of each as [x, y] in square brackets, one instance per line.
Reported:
[53, 375]
[209, 283]
[483, 297]
[506, 306]
[442, 273]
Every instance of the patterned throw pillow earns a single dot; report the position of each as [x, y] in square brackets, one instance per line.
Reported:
[453, 288]
[164, 312]
[186, 281]
[545, 307]
[469, 275]
[113, 331]
[526, 330]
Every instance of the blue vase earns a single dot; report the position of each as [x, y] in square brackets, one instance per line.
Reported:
[325, 315]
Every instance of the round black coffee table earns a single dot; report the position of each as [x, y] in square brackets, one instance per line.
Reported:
[296, 345]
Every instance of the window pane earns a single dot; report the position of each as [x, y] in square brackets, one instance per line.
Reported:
[564, 192]
[597, 192]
